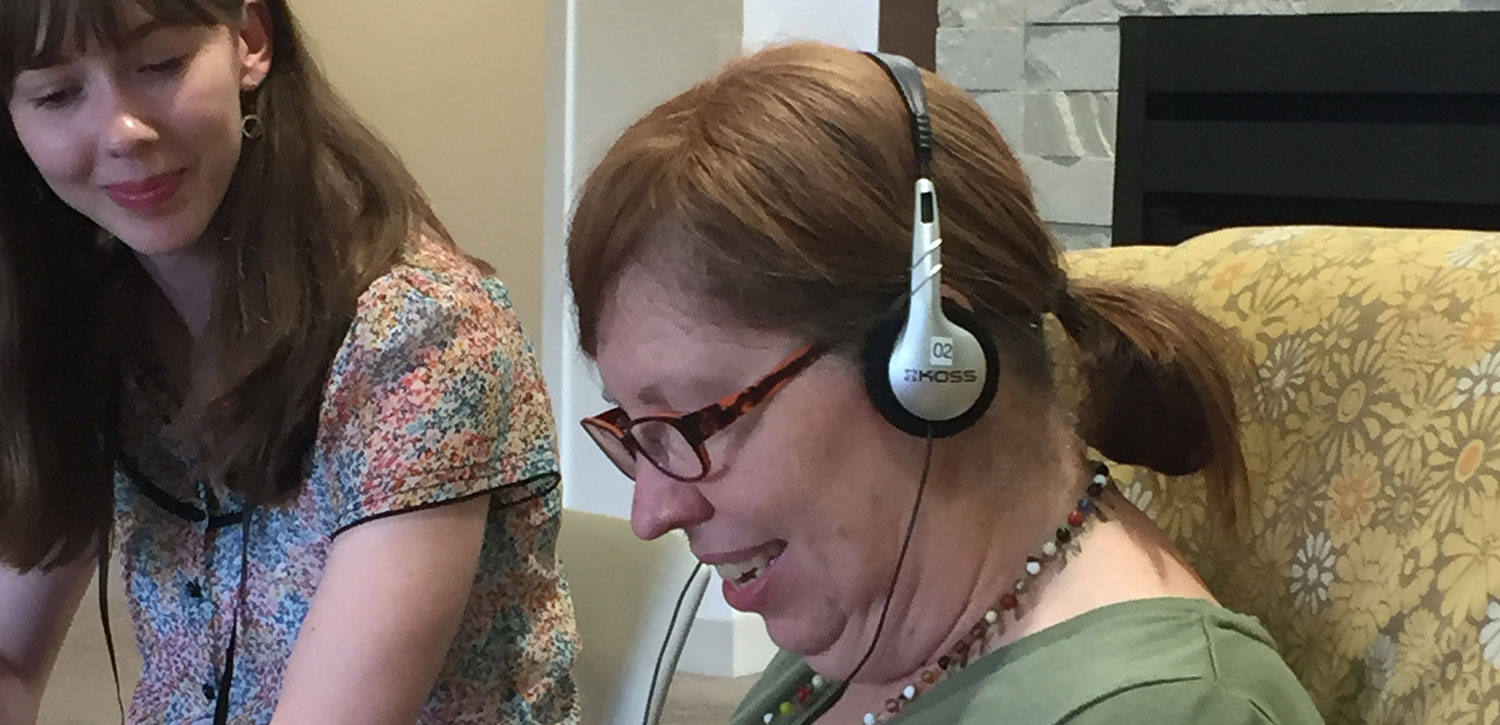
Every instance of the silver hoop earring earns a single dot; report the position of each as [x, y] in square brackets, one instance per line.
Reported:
[251, 126]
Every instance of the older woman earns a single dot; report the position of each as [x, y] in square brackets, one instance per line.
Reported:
[747, 242]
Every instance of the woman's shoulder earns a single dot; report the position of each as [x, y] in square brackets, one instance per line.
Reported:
[433, 271]
[434, 395]
[434, 292]
[1152, 660]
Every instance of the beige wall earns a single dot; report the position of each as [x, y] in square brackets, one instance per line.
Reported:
[457, 87]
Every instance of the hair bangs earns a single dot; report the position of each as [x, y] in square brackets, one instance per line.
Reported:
[44, 33]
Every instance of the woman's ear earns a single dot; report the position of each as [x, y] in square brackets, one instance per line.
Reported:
[254, 38]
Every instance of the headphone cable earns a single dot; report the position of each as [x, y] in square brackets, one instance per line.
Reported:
[890, 594]
[666, 639]
[885, 609]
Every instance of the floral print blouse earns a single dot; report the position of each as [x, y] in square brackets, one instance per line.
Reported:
[433, 397]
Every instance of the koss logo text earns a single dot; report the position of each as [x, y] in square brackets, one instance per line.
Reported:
[942, 376]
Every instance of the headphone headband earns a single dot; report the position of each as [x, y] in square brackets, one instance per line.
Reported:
[908, 79]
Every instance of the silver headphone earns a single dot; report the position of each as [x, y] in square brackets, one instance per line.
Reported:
[934, 369]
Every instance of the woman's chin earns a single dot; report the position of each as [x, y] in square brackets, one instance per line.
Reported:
[818, 645]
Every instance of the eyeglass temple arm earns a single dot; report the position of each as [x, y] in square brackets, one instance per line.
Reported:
[714, 418]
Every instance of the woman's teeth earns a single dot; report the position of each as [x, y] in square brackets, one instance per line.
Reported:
[744, 572]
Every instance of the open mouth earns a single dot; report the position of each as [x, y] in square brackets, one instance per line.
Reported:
[741, 573]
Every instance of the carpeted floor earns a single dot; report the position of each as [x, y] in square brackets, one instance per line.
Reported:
[698, 700]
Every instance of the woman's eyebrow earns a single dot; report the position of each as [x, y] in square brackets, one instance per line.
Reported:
[141, 32]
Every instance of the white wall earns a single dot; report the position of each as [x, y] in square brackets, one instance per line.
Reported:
[613, 60]
[609, 62]
[850, 23]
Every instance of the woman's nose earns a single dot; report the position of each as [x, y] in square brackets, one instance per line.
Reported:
[126, 129]
[662, 504]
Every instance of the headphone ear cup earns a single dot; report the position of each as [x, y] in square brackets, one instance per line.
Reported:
[879, 345]
[878, 348]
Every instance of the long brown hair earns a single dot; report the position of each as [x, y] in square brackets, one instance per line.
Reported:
[779, 191]
[317, 208]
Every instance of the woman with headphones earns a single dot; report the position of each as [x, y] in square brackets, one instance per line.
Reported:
[239, 350]
[819, 304]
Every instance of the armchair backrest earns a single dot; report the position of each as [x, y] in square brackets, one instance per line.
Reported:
[1372, 429]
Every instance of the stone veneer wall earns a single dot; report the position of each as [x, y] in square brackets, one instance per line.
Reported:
[1048, 73]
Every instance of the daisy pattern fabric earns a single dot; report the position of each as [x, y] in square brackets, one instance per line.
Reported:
[1371, 418]
[434, 397]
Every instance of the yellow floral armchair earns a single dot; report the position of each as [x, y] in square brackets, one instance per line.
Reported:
[1372, 431]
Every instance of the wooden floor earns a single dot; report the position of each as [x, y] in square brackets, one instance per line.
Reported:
[82, 690]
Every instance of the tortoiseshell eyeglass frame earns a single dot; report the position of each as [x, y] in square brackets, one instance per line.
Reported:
[622, 448]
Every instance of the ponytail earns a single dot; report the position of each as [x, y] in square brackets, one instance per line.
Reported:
[1159, 392]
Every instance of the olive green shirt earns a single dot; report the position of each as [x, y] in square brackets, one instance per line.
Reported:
[1152, 661]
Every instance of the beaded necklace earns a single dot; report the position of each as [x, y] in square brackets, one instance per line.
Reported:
[1055, 552]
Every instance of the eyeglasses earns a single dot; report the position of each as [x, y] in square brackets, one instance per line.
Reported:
[675, 443]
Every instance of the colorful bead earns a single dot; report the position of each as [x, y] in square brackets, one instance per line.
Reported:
[991, 616]
[944, 661]
[1064, 536]
[910, 693]
[1096, 490]
[1075, 518]
[817, 681]
[1101, 470]
[1049, 549]
[787, 708]
[1033, 565]
[978, 630]
[929, 676]
[892, 706]
[1086, 505]
[1008, 601]
[802, 694]
[768, 718]
[961, 649]
[869, 718]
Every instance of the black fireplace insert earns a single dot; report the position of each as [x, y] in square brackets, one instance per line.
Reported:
[1367, 119]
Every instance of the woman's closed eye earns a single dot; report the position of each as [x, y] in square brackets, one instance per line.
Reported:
[57, 97]
[60, 96]
[170, 66]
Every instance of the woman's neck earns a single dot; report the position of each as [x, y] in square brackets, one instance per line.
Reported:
[969, 548]
[186, 279]
[175, 301]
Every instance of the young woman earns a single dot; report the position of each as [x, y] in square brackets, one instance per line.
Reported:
[238, 349]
